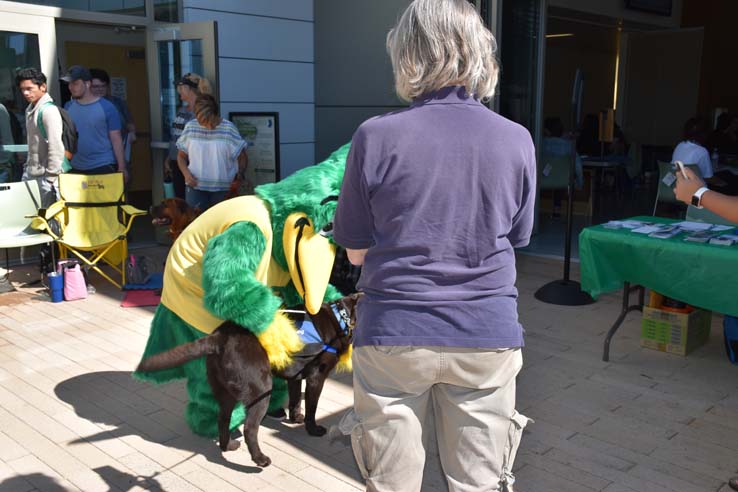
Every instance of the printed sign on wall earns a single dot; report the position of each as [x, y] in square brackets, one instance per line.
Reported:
[261, 132]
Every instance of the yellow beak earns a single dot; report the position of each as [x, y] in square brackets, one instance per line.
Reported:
[309, 259]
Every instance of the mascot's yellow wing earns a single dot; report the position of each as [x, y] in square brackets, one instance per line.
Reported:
[280, 340]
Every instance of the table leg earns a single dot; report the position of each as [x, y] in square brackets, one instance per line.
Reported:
[627, 289]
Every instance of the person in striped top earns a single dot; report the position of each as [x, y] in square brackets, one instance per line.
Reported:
[211, 152]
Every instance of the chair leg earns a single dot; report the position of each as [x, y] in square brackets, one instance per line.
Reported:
[52, 246]
[655, 203]
[5, 285]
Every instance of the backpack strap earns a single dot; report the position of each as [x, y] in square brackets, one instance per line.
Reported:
[40, 121]
[35, 202]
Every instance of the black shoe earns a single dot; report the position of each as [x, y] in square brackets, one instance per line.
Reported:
[278, 414]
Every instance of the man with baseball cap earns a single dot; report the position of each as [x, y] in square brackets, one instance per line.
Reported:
[100, 144]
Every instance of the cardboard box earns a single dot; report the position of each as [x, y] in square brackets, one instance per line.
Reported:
[676, 333]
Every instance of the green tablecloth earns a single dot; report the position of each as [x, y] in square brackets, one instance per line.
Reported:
[700, 274]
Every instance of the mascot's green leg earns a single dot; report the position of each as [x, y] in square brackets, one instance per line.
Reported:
[279, 394]
[168, 331]
[202, 409]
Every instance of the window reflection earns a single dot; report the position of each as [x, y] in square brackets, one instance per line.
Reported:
[127, 7]
[166, 10]
[176, 58]
[17, 50]
[519, 57]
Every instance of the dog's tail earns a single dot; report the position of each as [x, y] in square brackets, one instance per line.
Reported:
[180, 355]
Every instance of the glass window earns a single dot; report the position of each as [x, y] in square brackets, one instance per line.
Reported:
[519, 43]
[127, 7]
[166, 10]
[176, 58]
[17, 50]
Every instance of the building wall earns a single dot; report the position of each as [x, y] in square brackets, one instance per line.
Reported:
[353, 75]
[266, 63]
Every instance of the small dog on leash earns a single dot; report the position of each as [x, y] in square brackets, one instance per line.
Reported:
[238, 370]
[174, 213]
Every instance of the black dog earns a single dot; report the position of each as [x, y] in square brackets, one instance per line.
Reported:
[238, 370]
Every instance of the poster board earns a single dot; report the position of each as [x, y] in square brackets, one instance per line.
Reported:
[261, 132]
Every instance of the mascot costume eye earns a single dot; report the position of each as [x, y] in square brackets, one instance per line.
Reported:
[242, 260]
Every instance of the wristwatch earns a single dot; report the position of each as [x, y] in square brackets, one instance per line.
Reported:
[697, 197]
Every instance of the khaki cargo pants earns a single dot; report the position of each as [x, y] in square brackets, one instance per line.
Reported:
[473, 396]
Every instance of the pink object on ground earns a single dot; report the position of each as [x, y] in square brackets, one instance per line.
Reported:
[140, 298]
[75, 286]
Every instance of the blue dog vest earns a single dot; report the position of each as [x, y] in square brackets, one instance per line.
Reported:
[310, 337]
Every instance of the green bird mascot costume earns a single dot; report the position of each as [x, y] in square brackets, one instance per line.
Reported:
[242, 260]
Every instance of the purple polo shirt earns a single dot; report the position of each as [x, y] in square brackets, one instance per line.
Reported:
[440, 194]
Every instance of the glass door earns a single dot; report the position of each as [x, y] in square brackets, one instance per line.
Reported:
[522, 43]
[173, 50]
[25, 41]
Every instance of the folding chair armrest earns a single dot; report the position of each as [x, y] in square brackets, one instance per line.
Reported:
[133, 211]
[41, 222]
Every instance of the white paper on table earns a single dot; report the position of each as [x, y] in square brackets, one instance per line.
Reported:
[631, 224]
[648, 229]
[624, 224]
[694, 226]
[722, 227]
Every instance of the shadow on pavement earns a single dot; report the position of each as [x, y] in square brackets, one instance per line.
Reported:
[37, 481]
[111, 399]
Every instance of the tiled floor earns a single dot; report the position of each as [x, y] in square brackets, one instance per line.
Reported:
[71, 417]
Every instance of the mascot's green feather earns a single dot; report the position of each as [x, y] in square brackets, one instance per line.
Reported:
[229, 294]
[303, 192]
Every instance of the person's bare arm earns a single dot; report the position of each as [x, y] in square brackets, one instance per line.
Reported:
[243, 161]
[131, 129]
[117, 140]
[183, 161]
[723, 205]
[356, 256]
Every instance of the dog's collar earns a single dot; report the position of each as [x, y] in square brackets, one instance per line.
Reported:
[343, 318]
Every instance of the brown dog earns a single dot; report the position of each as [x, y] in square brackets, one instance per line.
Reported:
[238, 370]
[174, 213]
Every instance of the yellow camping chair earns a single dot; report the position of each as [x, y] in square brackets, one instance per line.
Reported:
[93, 221]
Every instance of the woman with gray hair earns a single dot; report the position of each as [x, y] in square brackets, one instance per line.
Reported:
[434, 199]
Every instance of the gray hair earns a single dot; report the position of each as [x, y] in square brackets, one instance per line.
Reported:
[437, 43]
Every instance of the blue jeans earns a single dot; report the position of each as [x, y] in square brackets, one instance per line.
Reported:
[203, 199]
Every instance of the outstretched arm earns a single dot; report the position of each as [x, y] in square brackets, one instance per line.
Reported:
[723, 205]
[231, 290]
